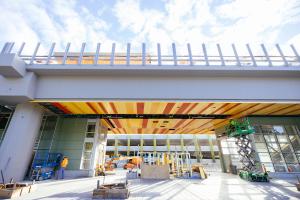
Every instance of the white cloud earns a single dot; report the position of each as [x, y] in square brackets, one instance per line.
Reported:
[60, 22]
[243, 21]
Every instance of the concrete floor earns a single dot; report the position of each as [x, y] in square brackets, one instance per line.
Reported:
[217, 186]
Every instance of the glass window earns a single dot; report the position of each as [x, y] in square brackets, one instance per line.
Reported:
[88, 146]
[224, 143]
[282, 138]
[270, 138]
[231, 144]
[289, 158]
[291, 130]
[261, 147]
[235, 157]
[267, 129]
[279, 167]
[233, 150]
[3, 121]
[91, 127]
[90, 135]
[85, 164]
[286, 148]
[225, 151]
[278, 129]
[273, 147]
[264, 157]
[269, 167]
[276, 158]
[295, 143]
[257, 129]
[87, 155]
[293, 167]
[258, 138]
[111, 142]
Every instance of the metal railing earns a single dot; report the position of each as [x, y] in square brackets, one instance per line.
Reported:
[143, 58]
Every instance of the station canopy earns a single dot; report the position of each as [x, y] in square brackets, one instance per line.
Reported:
[150, 117]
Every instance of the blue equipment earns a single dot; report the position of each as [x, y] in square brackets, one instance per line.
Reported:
[44, 166]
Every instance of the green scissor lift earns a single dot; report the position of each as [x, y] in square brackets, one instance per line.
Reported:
[240, 129]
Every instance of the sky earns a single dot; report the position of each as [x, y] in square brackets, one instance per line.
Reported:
[149, 21]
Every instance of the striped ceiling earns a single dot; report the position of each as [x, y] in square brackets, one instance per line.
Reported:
[163, 126]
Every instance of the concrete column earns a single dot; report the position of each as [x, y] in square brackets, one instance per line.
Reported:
[211, 146]
[154, 145]
[99, 149]
[181, 143]
[128, 145]
[221, 156]
[168, 144]
[116, 152]
[102, 144]
[141, 144]
[17, 145]
[197, 149]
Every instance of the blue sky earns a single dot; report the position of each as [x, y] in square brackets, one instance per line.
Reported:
[150, 21]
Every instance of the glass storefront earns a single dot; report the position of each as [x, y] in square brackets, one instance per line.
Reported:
[278, 147]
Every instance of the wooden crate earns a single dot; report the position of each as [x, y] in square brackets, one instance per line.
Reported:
[15, 190]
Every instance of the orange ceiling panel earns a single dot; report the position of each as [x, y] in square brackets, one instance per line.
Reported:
[234, 110]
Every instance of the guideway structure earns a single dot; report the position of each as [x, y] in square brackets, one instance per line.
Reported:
[98, 76]
[127, 76]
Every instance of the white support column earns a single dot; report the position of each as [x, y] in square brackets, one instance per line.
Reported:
[295, 52]
[81, 53]
[221, 55]
[17, 146]
[66, 53]
[251, 55]
[158, 55]
[190, 54]
[97, 54]
[174, 53]
[34, 53]
[50, 53]
[7, 47]
[11, 47]
[236, 55]
[112, 55]
[266, 54]
[282, 55]
[21, 49]
[143, 54]
[128, 54]
[205, 55]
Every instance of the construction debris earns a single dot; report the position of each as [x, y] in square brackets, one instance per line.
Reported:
[198, 171]
[111, 191]
[12, 190]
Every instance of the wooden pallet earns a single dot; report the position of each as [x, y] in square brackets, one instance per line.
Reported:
[13, 190]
